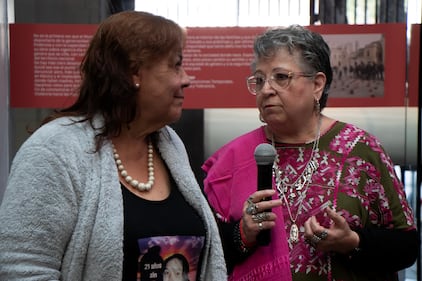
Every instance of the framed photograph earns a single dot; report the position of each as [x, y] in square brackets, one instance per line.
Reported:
[369, 64]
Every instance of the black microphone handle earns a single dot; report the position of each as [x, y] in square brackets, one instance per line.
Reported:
[264, 155]
[265, 178]
[264, 182]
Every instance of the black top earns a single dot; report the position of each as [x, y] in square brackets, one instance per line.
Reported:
[155, 230]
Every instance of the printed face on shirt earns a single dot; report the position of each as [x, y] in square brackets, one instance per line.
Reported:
[174, 271]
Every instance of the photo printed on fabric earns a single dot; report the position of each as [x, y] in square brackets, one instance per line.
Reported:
[169, 258]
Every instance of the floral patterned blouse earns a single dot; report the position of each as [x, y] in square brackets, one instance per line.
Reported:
[354, 176]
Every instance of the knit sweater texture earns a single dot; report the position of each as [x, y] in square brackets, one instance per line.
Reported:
[62, 213]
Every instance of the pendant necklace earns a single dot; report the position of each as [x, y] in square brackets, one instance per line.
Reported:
[300, 185]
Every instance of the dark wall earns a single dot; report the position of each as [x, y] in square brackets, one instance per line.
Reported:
[62, 11]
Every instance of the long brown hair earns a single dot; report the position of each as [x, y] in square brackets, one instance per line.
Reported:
[122, 44]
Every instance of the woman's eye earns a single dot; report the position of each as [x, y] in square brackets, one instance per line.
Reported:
[280, 76]
[259, 80]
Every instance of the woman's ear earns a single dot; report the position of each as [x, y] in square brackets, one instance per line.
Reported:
[319, 84]
[136, 78]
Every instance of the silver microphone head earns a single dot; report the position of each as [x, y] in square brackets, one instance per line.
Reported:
[264, 154]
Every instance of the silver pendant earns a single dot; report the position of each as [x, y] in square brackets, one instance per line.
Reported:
[294, 233]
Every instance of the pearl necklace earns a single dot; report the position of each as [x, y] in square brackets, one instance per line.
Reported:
[135, 183]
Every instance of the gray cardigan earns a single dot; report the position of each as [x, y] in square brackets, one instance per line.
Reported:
[62, 213]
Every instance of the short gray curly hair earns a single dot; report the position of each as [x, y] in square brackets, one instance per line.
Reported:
[315, 52]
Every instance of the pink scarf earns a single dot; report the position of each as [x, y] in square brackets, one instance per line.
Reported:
[231, 178]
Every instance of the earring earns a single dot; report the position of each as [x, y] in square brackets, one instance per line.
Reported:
[317, 106]
[261, 119]
[137, 85]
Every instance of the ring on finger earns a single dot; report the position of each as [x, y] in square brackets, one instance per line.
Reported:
[260, 226]
[260, 217]
[323, 235]
[252, 208]
[315, 239]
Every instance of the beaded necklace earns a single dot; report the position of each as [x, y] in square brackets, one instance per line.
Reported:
[133, 182]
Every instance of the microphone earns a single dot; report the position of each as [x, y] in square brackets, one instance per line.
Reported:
[264, 156]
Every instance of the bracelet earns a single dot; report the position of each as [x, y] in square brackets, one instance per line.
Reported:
[238, 240]
[242, 236]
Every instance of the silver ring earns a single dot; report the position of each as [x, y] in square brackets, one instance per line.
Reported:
[323, 235]
[251, 209]
[315, 239]
[260, 226]
[260, 217]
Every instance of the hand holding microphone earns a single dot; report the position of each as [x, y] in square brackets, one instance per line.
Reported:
[264, 156]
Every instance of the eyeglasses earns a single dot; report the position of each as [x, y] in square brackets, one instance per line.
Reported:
[277, 81]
